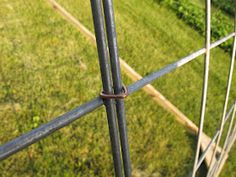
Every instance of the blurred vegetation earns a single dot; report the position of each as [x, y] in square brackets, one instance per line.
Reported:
[227, 6]
[47, 68]
[193, 15]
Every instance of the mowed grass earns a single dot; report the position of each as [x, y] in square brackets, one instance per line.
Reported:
[47, 68]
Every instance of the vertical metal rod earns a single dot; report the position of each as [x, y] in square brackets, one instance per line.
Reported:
[205, 84]
[117, 82]
[107, 83]
[226, 98]
[224, 150]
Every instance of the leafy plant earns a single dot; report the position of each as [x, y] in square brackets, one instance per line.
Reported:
[194, 16]
[227, 6]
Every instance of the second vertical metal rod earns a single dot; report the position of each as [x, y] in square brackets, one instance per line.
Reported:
[107, 83]
[117, 83]
[230, 77]
[205, 84]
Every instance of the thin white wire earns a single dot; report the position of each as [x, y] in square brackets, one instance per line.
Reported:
[225, 149]
[205, 85]
[225, 106]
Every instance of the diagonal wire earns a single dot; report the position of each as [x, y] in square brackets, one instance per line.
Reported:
[226, 100]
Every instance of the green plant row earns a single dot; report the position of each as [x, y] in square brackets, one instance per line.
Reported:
[226, 5]
[195, 17]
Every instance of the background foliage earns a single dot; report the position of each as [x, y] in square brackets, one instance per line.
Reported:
[227, 6]
[195, 17]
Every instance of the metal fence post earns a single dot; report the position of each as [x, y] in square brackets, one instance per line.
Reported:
[205, 84]
[107, 83]
[117, 82]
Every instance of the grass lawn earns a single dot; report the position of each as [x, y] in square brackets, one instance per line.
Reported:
[47, 68]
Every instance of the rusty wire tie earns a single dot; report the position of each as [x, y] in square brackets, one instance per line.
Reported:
[122, 95]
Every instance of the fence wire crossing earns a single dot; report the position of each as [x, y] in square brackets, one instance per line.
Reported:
[215, 162]
[114, 92]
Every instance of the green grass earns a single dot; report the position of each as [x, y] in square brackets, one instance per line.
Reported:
[47, 68]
